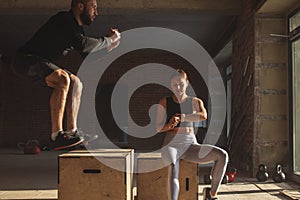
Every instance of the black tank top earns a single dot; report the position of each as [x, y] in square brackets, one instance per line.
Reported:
[179, 108]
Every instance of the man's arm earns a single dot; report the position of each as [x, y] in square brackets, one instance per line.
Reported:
[89, 44]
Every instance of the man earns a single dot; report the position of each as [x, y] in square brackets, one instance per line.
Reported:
[36, 61]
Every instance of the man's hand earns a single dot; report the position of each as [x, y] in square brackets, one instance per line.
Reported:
[114, 35]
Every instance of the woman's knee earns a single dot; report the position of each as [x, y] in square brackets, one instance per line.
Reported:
[223, 156]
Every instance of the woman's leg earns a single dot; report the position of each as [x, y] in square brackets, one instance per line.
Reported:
[207, 154]
[173, 181]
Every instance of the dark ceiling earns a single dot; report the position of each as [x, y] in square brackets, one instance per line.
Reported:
[211, 30]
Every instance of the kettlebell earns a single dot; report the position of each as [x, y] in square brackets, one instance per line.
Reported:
[278, 175]
[231, 172]
[30, 147]
[262, 174]
[230, 177]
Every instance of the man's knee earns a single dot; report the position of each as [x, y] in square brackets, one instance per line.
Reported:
[58, 79]
[77, 84]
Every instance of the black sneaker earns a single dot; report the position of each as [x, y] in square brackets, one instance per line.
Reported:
[87, 137]
[206, 194]
[65, 141]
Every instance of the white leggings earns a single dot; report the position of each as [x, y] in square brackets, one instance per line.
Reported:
[185, 146]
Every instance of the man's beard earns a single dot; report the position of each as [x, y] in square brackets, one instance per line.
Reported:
[85, 18]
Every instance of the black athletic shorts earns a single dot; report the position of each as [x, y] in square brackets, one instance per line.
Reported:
[33, 68]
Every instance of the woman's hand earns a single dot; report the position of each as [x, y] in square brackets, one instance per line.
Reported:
[174, 121]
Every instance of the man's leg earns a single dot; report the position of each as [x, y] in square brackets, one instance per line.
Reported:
[48, 74]
[60, 82]
[73, 103]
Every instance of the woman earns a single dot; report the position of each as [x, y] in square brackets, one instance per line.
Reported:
[180, 111]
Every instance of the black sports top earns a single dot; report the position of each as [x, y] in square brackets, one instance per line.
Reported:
[179, 108]
[59, 33]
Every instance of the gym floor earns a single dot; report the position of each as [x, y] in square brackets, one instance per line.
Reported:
[35, 177]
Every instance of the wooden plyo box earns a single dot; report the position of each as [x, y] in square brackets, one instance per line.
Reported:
[89, 175]
[153, 184]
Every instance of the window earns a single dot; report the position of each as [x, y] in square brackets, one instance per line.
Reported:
[294, 21]
[294, 77]
[296, 104]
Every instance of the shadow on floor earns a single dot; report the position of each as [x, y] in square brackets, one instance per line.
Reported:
[27, 172]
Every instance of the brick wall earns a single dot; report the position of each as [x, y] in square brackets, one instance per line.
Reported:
[243, 102]
[25, 108]
[242, 122]
[259, 130]
[1, 103]
[26, 113]
[144, 97]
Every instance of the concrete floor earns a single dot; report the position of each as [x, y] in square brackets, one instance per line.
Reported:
[35, 177]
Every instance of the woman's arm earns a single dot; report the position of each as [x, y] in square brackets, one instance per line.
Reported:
[199, 112]
[161, 117]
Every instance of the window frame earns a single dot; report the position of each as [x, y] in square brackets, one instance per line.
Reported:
[293, 36]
